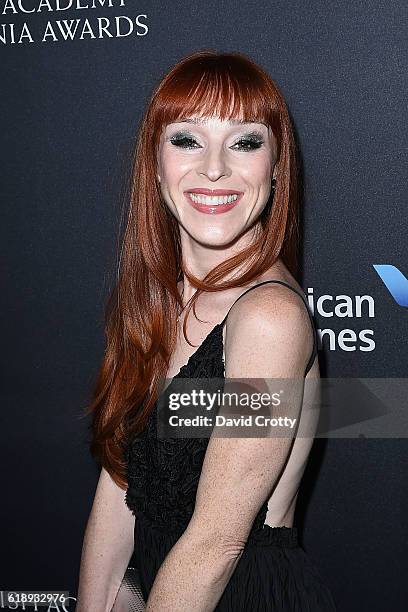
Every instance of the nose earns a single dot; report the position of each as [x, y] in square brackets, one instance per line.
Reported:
[214, 164]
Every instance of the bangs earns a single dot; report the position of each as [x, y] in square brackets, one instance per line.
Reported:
[231, 89]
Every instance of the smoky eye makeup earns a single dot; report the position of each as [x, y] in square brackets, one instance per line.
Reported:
[245, 141]
[254, 136]
[182, 138]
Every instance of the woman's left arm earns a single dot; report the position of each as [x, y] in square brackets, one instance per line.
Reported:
[268, 338]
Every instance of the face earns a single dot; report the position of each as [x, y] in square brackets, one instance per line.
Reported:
[215, 176]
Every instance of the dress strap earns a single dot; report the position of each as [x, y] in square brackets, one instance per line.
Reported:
[314, 352]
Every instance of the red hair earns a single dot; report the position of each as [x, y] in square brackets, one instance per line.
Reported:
[141, 314]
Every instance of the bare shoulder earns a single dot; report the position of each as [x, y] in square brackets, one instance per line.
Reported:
[267, 305]
[268, 332]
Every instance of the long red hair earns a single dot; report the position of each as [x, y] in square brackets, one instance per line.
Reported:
[142, 310]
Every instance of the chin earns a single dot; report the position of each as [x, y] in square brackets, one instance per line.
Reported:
[214, 240]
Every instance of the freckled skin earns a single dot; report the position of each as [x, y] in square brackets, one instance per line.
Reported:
[267, 321]
[194, 573]
[215, 159]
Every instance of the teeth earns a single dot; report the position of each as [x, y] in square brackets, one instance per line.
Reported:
[212, 200]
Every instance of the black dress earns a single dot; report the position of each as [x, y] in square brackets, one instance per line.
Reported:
[273, 573]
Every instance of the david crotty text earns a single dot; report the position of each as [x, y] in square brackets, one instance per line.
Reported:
[243, 421]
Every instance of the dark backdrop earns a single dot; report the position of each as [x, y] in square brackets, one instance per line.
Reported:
[70, 110]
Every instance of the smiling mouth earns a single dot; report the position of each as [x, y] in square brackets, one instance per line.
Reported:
[199, 198]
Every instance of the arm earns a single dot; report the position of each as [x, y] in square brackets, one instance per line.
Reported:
[107, 547]
[269, 337]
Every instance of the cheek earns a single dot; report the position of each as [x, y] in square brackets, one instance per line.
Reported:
[173, 166]
[258, 171]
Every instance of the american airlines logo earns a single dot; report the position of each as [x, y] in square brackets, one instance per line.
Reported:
[341, 307]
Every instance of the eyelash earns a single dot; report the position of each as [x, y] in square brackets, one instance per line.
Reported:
[180, 140]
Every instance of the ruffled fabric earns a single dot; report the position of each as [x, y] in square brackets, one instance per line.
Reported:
[274, 574]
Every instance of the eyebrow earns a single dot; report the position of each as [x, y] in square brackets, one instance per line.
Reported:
[204, 120]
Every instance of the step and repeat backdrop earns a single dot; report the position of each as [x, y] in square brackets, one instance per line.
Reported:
[75, 77]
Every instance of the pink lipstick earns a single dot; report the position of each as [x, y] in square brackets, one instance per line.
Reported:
[211, 207]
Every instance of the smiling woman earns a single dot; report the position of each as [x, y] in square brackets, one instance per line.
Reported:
[213, 224]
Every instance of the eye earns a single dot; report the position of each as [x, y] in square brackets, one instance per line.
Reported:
[249, 143]
[184, 141]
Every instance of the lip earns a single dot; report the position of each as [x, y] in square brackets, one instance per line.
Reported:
[213, 210]
[213, 192]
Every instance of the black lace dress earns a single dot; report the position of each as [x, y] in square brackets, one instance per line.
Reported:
[273, 573]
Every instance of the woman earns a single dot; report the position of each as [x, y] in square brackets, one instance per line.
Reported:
[212, 223]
